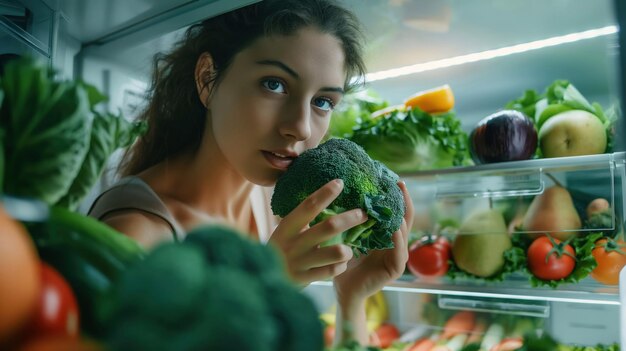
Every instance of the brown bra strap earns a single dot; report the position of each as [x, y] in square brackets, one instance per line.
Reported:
[132, 193]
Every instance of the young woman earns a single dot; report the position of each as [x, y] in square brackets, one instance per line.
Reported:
[239, 97]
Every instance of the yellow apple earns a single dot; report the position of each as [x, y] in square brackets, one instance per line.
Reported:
[572, 133]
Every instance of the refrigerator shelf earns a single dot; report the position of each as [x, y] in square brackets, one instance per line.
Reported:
[556, 164]
[587, 292]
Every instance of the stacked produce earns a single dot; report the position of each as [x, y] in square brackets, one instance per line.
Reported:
[543, 244]
[449, 330]
[567, 124]
[55, 144]
[423, 133]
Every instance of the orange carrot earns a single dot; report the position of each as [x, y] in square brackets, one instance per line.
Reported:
[461, 322]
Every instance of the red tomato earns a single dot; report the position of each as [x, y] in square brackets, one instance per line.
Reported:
[611, 257]
[57, 310]
[385, 335]
[428, 257]
[551, 259]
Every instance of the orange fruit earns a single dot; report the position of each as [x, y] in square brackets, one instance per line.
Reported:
[436, 100]
[19, 276]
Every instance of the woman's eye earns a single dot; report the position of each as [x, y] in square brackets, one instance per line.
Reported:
[325, 104]
[274, 85]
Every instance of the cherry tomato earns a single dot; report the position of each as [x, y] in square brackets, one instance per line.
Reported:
[611, 257]
[57, 310]
[428, 257]
[550, 259]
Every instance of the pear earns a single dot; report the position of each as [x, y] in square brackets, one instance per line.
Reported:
[482, 253]
[552, 212]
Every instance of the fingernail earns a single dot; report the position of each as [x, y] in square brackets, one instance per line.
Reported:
[339, 182]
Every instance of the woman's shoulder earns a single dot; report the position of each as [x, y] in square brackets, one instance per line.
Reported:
[131, 206]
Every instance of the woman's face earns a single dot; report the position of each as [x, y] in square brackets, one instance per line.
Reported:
[275, 101]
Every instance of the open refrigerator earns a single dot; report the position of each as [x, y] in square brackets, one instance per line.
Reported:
[489, 52]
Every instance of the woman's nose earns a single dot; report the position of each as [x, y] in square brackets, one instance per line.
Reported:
[296, 123]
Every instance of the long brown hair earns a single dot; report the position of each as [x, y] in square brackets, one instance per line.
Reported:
[175, 114]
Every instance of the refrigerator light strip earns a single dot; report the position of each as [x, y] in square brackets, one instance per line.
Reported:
[490, 54]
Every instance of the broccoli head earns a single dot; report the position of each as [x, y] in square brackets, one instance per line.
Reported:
[368, 184]
[216, 290]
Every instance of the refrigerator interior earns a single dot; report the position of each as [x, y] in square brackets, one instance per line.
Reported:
[489, 52]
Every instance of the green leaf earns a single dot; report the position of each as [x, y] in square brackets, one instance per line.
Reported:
[526, 103]
[109, 133]
[48, 128]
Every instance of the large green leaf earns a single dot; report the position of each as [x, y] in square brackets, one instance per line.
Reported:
[109, 133]
[48, 128]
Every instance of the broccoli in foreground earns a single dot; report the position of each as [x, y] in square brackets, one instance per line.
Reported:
[215, 291]
[368, 184]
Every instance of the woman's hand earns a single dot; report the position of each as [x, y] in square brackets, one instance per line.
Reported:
[368, 274]
[305, 261]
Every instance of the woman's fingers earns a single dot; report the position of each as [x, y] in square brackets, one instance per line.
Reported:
[328, 229]
[323, 256]
[308, 209]
[408, 211]
[320, 273]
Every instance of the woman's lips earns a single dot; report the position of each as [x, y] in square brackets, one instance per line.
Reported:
[277, 161]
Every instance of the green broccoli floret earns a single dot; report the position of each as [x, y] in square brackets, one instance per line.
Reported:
[215, 291]
[368, 184]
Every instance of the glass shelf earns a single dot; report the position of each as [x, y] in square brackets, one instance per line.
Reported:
[542, 164]
[518, 288]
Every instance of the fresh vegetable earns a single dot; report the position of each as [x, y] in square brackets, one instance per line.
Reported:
[56, 312]
[215, 291]
[455, 343]
[108, 133]
[493, 336]
[19, 277]
[414, 140]
[506, 135]
[89, 254]
[385, 335]
[610, 255]
[48, 125]
[354, 109]
[460, 323]
[436, 100]
[368, 185]
[422, 344]
[429, 256]
[551, 259]
[508, 344]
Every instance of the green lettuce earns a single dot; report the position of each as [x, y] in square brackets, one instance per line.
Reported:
[414, 140]
[109, 133]
[47, 127]
[354, 110]
[54, 141]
